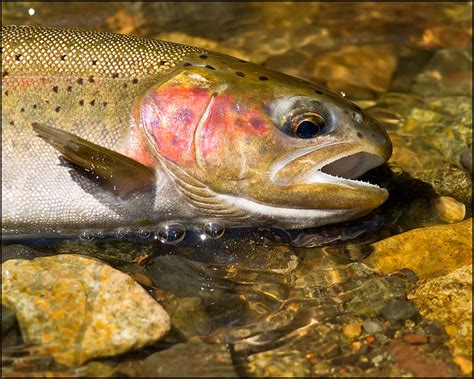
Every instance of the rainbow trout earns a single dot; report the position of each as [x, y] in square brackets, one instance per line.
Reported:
[105, 133]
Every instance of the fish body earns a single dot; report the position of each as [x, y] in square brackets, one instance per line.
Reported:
[105, 132]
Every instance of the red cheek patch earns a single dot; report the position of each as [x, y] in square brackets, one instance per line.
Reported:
[170, 116]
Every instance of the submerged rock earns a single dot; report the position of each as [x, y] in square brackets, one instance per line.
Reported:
[448, 301]
[448, 73]
[466, 158]
[192, 359]
[78, 308]
[429, 252]
[449, 209]
[370, 67]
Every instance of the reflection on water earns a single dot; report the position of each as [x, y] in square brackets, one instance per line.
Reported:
[300, 303]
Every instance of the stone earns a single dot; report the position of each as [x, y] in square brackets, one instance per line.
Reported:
[398, 310]
[352, 330]
[17, 251]
[409, 358]
[447, 300]
[189, 316]
[448, 73]
[415, 339]
[449, 209]
[191, 359]
[429, 252]
[466, 158]
[78, 308]
[372, 326]
[366, 66]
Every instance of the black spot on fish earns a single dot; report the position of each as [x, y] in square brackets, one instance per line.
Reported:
[135, 81]
[18, 57]
[187, 64]
[125, 85]
[69, 88]
[115, 75]
[256, 123]
[319, 92]
[214, 94]
[91, 79]
[35, 106]
[92, 102]
[63, 57]
[7, 93]
[80, 81]
[104, 104]
[4, 73]
[22, 109]
[57, 109]
[162, 63]
[55, 89]
[263, 78]
[94, 62]
[209, 67]
[81, 102]
[360, 135]
[239, 73]
[12, 123]
[203, 56]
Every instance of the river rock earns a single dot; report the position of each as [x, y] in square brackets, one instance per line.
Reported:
[449, 209]
[370, 66]
[448, 73]
[78, 308]
[191, 359]
[448, 301]
[429, 252]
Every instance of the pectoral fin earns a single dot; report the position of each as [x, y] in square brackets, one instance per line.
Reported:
[115, 172]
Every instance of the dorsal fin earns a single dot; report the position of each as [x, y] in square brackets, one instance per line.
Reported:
[115, 172]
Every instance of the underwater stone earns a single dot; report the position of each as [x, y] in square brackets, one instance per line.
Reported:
[429, 252]
[78, 308]
[466, 158]
[449, 73]
[398, 310]
[449, 209]
[191, 359]
[369, 66]
[372, 326]
[448, 301]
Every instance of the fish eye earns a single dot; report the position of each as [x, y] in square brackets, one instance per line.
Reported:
[307, 126]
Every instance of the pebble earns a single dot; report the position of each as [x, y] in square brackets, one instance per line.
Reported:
[372, 326]
[415, 339]
[398, 310]
[352, 330]
[78, 308]
[449, 209]
[466, 158]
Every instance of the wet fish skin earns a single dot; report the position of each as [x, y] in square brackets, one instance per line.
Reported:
[209, 125]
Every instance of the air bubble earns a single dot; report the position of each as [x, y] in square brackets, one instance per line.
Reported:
[121, 233]
[213, 230]
[86, 236]
[144, 233]
[171, 233]
[357, 117]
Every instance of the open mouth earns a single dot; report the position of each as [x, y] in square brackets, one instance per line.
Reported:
[344, 170]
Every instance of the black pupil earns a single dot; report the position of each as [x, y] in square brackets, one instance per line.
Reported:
[307, 129]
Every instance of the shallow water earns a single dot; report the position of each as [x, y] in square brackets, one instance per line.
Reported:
[283, 302]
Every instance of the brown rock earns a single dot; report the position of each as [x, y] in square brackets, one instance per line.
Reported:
[464, 363]
[415, 339]
[409, 358]
[369, 66]
[429, 252]
[449, 209]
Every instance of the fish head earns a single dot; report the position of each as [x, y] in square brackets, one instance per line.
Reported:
[272, 146]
